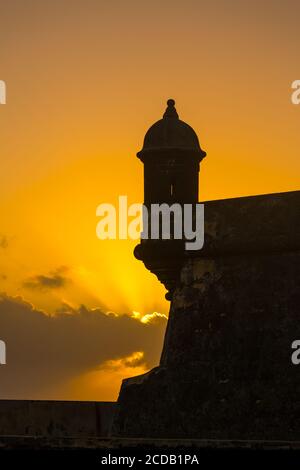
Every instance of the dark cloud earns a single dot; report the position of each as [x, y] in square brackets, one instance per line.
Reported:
[54, 280]
[44, 351]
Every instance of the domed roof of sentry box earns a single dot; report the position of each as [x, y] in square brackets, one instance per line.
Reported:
[170, 133]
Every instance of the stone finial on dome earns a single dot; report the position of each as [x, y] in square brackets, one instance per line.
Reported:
[171, 134]
[171, 110]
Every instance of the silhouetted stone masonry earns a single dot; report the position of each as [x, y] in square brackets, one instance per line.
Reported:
[171, 156]
[55, 419]
[226, 370]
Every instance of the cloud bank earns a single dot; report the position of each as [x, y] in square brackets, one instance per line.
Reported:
[45, 354]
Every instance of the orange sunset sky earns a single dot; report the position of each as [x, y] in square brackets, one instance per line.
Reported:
[85, 80]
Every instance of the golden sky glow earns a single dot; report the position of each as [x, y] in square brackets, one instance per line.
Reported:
[85, 79]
